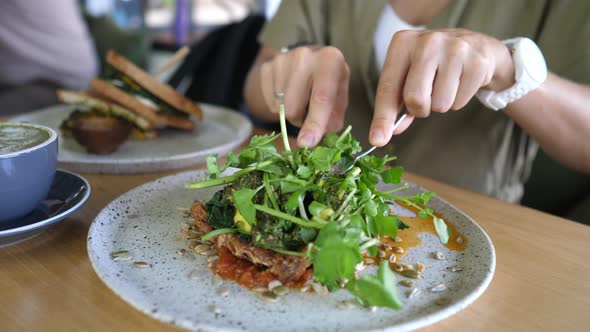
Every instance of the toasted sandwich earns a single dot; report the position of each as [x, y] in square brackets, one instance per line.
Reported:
[138, 91]
[143, 128]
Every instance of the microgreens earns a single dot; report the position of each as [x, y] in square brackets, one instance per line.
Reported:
[295, 203]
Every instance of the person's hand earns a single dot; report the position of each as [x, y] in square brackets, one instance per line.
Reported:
[315, 82]
[436, 71]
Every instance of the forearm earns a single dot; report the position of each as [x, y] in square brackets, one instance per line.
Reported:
[253, 89]
[557, 116]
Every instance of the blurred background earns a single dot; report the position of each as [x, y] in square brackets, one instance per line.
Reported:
[147, 31]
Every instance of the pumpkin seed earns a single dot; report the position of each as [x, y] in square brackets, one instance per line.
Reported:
[455, 268]
[398, 239]
[212, 259]
[398, 250]
[406, 283]
[281, 290]
[304, 288]
[194, 234]
[439, 256]
[412, 293]
[411, 274]
[181, 252]
[345, 305]
[382, 254]
[209, 252]
[442, 301]
[438, 288]
[223, 291]
[369, 261]
[387, 247]
[142, 264]
[273, 284]
[192, 244]
[260, 289]
[201, 247]
[120, 253]
[398, 267]
[319, 288]
[392, 258]
[269, 296]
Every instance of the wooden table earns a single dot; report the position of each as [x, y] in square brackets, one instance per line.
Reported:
[542, 279]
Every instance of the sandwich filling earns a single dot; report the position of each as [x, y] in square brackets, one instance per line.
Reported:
[127, 84]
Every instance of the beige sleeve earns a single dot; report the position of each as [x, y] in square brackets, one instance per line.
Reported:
[296, 21]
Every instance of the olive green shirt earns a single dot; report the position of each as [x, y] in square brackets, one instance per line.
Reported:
[474, 148]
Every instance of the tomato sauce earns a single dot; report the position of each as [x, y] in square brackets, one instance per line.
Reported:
[248, 274]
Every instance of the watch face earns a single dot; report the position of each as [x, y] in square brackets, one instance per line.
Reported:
[532, 60]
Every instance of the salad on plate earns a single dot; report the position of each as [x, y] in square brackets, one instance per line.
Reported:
[292, 219]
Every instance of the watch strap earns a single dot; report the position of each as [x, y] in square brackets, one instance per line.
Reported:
[523, 85]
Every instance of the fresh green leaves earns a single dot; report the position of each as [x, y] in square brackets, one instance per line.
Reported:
[243, 201]
[288, 200]
[322, 158]
[419, 201]
[393, 175]
[213, 169]
[378, 290]
[441, 229]
[335, 254]
[320, 210]
[385, 225]
[220, 211]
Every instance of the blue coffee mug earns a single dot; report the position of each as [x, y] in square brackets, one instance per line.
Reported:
[26, 175]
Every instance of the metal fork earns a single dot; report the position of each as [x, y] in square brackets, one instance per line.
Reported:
[399, 120]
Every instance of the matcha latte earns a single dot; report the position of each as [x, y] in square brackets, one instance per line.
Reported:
[15, 137]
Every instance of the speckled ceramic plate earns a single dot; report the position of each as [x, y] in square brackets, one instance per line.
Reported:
[220, 131]
[146, 221]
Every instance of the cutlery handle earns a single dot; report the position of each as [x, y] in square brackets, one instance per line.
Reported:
[400, 117]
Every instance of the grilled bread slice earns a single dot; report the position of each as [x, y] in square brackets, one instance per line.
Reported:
[157, 89]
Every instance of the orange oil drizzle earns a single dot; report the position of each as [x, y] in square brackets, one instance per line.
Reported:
[410, 236]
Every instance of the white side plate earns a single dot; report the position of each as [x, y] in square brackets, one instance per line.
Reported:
[220, 131]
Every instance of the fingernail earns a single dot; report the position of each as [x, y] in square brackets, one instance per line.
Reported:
[376, 136]
[306, 140]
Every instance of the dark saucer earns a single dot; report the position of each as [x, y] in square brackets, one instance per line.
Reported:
[68, 193]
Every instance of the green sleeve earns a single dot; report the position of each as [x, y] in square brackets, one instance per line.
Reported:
[296, 21]
[565, 38]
